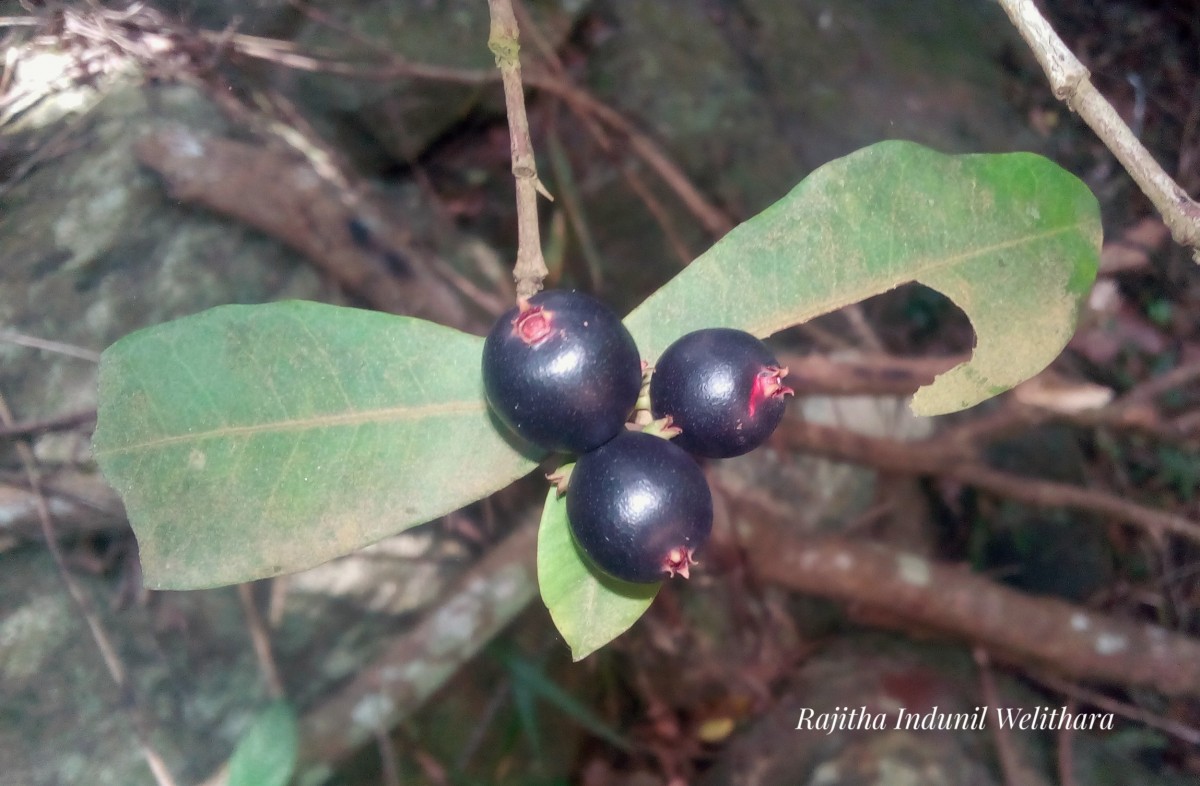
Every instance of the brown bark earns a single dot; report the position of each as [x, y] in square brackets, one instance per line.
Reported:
[279, 194]
[1065, 638]
[417, 663]
[949, 459]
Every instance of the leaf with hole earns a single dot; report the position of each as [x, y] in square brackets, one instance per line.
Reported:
[247, 441]
[1012, 239]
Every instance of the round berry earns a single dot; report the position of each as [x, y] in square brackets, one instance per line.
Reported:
[639, 507]
[562, 371]
[723, 388]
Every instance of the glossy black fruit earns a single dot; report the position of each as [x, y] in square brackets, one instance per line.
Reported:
[723, 388]
[639, 507]
[562, 371]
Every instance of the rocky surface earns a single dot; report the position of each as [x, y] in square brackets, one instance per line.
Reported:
[94, 249]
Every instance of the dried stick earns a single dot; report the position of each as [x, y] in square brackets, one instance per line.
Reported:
[1069, 80]
[1066, 751]
[530, 269]
[1072, 640]
[418, 662]
[946, 458]
[584, 103]
[13, 337]
[1181, 731]
[867, 375]
[261, 640]
[276, 193]
[1012, 767]
[58, 423]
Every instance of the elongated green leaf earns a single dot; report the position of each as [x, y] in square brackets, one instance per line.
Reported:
[1012, 239]
[529, 679]
[588, 607]
[266, 755]
[248, 441]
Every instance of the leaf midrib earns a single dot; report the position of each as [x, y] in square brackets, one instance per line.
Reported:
[358, 417]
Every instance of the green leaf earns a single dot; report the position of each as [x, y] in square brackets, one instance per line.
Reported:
[266, 754]
[588, 607]
[247, 441]
[1013, 239]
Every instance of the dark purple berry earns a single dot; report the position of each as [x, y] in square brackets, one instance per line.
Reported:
[723, 388]
[639, 507]
[562, 371]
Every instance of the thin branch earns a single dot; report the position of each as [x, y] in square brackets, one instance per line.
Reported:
[1188, 734]
[1066, 751]
[714, 220]
[530, 269]
[946, 458]
[1069, 80]
[866, 375]
[116, 668]
[13, 337]
[388, 757]
[261, 641]
[58, 423]
[1012, 767]
[581, 101]
[418, 662]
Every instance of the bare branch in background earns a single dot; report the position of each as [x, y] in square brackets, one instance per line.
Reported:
[261, 640]
[1072, 640]
[418, 662]
[275, 192]
[1070, 82]
[946, 457]
[530, 269]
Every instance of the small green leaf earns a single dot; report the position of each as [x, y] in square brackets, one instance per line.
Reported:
[248, 441]
[266, 754]
[1013, 239]
[588, 607]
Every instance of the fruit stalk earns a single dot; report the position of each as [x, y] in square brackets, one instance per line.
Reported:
[530, 268]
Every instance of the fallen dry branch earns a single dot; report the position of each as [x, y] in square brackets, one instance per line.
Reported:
[417, 663]
[949, 459]
[870, 375]
[1082, 695]
[708, 214]
[278, 193]
[1068, 639]
[34, 428]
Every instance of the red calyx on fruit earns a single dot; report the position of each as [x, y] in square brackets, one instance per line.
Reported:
[678, 561]
[638, 506]
[561, 371]
[533, 324]
[767, 385]
[723, 387]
